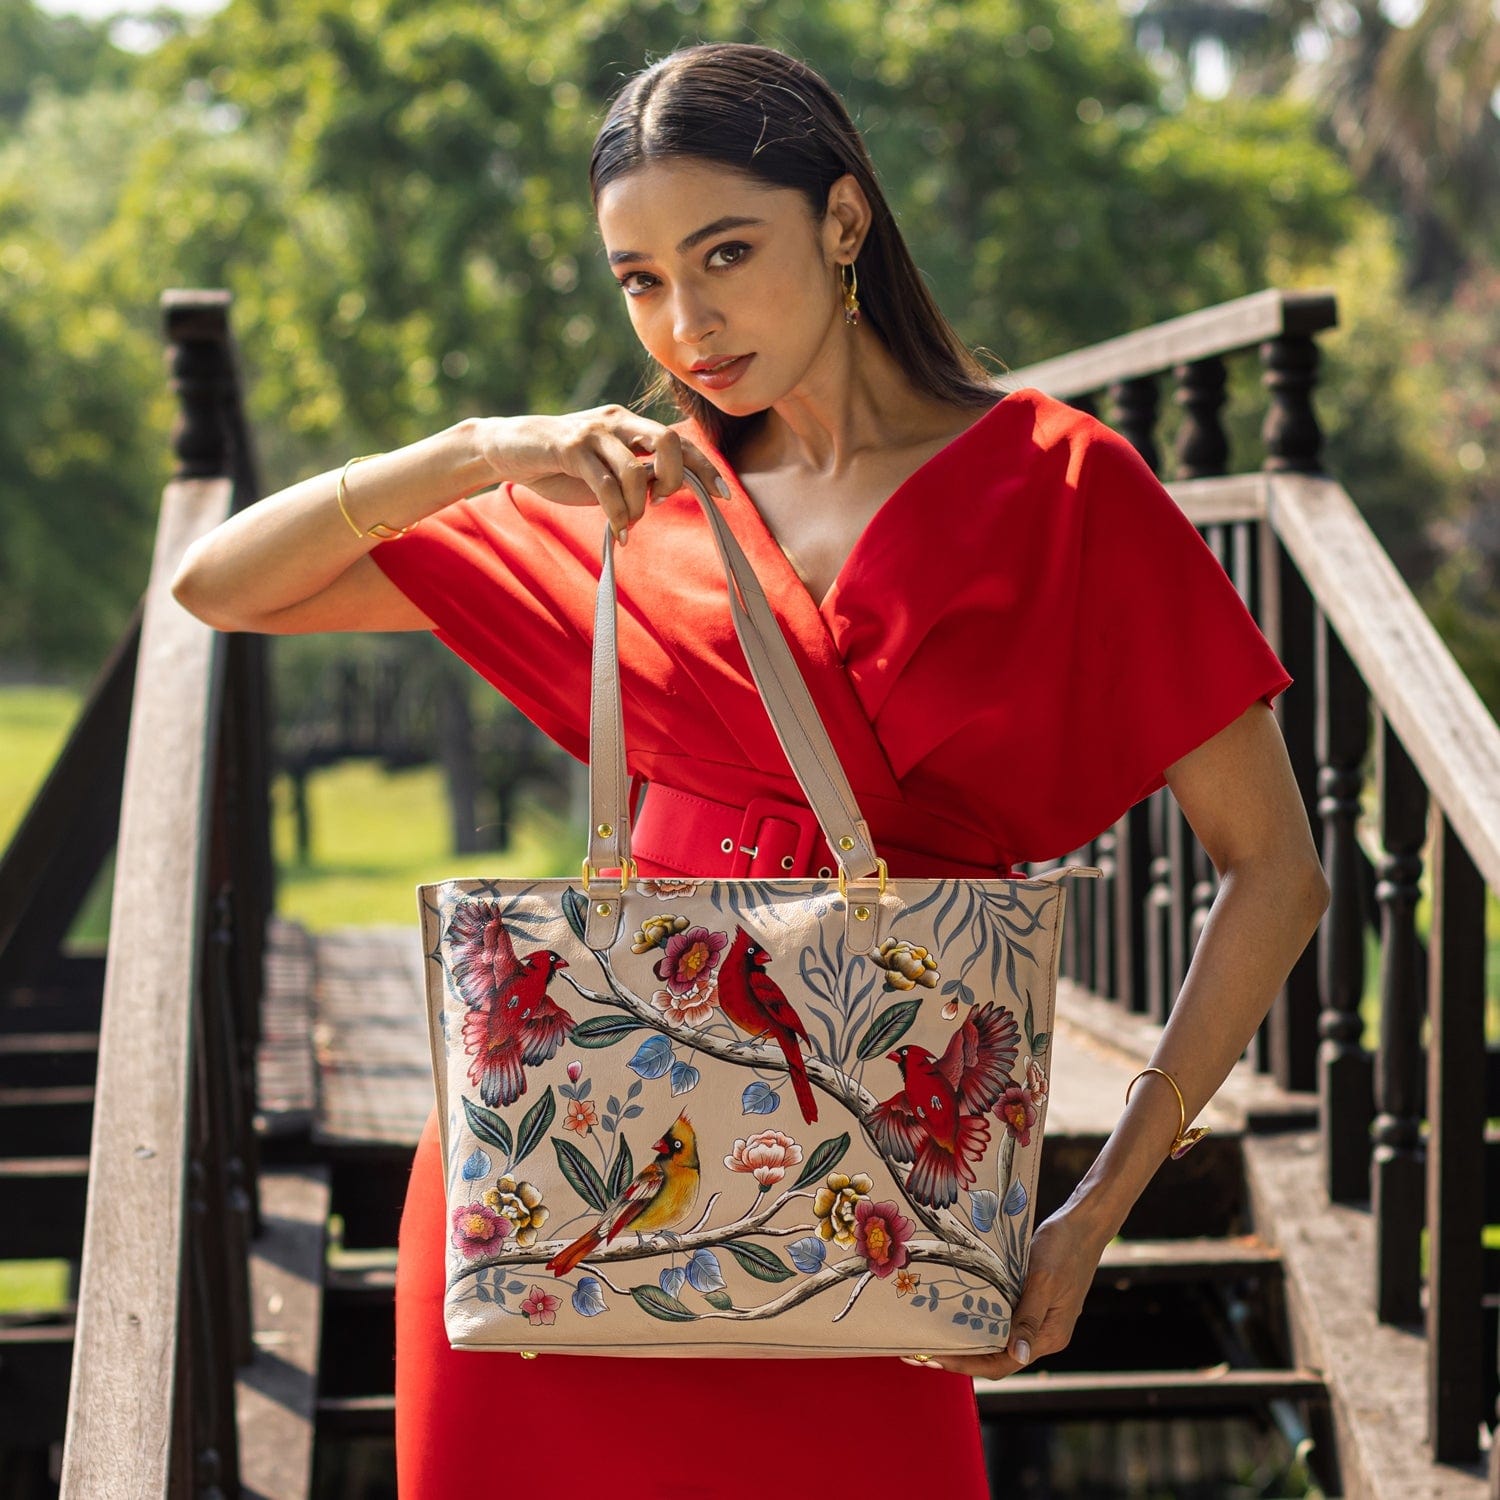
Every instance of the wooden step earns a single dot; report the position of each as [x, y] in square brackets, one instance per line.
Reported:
[1086, 1393]
[47, 1119]
[44, 1058]
[36, 1354]
[343, 1417]
[41, 1206]
[1202, 1259]
[276, 1393]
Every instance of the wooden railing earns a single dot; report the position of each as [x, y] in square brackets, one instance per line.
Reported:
[1370, 670]
[163, 1305]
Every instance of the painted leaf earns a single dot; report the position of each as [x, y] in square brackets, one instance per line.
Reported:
[808, 1254]
[476, 1164]
[825, 1157]
[581, 1174]
[575, 907]
[487, 1125]
[534, 1125]
[1015, 1199]
[656, 1302]
[887, 1029]
[720, 1300]
[602, 1031]
[982, 1208]
[759, 1098]
[703, 1272]
[684, 1077]
[761, 1263]
[671, 1279]
[623, 1169]
[652, 1058]
[587, 1298]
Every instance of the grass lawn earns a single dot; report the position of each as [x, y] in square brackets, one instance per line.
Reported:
[34, 722]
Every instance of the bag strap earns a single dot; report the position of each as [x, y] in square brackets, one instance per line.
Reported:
[782, 688]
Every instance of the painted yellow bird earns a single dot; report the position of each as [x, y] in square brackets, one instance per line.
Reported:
[660, 1195]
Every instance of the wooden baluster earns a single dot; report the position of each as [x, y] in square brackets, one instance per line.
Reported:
[1396, 1168]
[1342, 738]
[1133, 412]
[1291, 433]
[1103, 976]
[1455, 1150]
[197, 332]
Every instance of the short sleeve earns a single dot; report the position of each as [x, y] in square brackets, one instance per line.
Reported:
[1165, 652]
[510, 587]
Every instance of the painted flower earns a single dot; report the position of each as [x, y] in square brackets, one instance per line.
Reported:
[582, 1116]
[835, 1203]
[766, 1156]
[540, 1306]
[691, 955]
[668, 889]
[478, 1229]
[690, 1009]
[950, 1009]
[1036, 1080]
[906, 1281]
[655, 931]
[575, 1071]
[522, 1205]
[1018, 1112]
[906, 965]
[881, 1233]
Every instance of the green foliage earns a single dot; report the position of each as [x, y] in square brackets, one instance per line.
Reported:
[64, 52]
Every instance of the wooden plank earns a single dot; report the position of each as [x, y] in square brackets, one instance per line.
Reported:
[1434, 709]
[276, 1393]
[285, 1079]
[43, 1198]
[374, 1061]
[121, 1399]
[47, 1119]
[48, 1057]
[1225, 329]
[1135, 1392]
[1376, 1372]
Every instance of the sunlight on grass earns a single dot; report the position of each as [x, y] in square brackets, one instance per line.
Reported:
[33, 1285]
[34, 722]
[377, 835]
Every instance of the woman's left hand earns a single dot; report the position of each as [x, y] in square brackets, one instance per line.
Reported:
[1059, 1273]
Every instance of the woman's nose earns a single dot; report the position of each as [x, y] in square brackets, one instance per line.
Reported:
[693, 321]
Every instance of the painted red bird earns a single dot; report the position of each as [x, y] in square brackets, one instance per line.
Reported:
[658, 1196]
[937, 1122]
[512, 1024]
[754, 1002]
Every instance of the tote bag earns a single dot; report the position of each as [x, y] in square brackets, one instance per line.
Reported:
[796, 1117]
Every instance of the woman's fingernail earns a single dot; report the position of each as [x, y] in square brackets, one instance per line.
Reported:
[1022, 1351]
[719, 485]
[623, 535]
[921, 1364]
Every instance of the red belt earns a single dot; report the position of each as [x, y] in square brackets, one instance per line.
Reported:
[766, 837]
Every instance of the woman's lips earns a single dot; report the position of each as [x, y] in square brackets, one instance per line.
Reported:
[716, 380]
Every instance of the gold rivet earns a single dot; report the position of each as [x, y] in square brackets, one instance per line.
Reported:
[862, 912]
[602, 908]
[605, 829]
[846, 842]
[529, 1354]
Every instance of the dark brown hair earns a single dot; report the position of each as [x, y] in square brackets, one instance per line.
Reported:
[718, 102]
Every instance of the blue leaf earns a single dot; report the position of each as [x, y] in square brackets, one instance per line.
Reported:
[634, 1089]
[969, 1301]
[483, 1292]
[759, 1099]
[613, 1106]
[703, 1271]
[1015, 1199]
[960, 1317]
[633, 1111]
[585, 1087]
[588, 1299]
[515, 1286]
[671, 1280]
[808, 1254]
[684, 1078]
[982, 1209]
[476, 1164]
[652, 1058]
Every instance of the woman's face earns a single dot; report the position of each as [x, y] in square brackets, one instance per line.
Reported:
[768, 288]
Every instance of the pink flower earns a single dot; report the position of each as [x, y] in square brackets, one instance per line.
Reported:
[540, 1306]
[690, 1009]
[690, 955]
[667, 889]
[880, 1234]
[575, 1068]
[1036, 1080]
[478, 1229]
[1018, 1112]
[766, 1156]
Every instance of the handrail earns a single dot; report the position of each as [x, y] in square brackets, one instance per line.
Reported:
[122, 1391]
[1226, 329]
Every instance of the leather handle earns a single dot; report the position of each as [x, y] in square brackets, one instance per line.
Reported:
[782, 688]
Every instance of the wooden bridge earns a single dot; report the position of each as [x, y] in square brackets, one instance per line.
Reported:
[189, 1124]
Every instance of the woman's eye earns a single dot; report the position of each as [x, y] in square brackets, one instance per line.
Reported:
[734, 245]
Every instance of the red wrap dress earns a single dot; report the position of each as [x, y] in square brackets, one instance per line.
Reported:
[1025, 635]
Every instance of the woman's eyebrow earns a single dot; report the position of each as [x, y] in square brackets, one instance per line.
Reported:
[729, 221]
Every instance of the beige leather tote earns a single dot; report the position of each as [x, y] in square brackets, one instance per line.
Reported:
[786, 1117]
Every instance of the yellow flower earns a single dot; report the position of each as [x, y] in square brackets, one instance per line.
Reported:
[522, 1205]
[834, 1206]
[907, 965]
[655, 931]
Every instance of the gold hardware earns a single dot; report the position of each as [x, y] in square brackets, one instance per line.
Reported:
[531, 1354]
[602, 908]
[846, 842]
[605, 830]
[627, 874]
[862, 912]
[1186, 1139]
[844, 883]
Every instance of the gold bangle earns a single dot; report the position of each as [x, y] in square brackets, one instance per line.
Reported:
[1186, 1139]
[379, 529]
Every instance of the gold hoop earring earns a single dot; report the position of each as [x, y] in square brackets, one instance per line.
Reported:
[851, 287]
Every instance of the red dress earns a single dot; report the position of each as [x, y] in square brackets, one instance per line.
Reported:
[1025, 635]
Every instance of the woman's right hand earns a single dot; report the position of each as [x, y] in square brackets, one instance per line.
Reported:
[608, 456]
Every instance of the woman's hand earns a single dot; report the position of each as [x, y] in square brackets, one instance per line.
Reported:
[1059, 1273]
[607, 456]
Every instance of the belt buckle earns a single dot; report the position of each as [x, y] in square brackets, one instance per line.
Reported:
[749, 858]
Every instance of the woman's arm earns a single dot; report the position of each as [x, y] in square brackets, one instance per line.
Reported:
[291, 563]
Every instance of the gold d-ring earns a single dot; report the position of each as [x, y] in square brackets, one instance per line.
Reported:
[627, 874]
[844, 892]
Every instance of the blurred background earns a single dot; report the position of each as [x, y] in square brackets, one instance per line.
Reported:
[395, 191]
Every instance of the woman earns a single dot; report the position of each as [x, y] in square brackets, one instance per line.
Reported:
[1011, 631]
